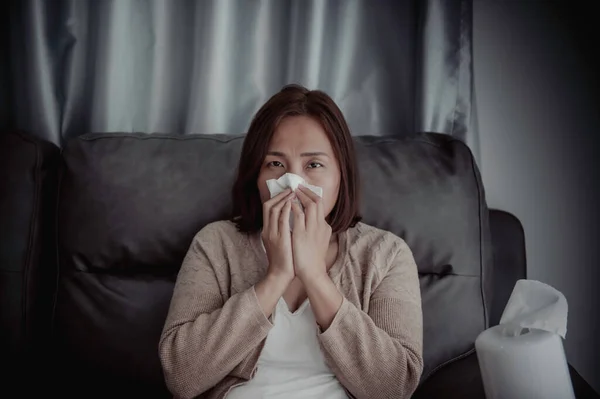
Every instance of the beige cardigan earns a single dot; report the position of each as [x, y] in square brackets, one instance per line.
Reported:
[215, 328]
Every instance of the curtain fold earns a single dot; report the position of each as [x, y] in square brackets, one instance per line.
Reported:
[76, 66]
[445, 69]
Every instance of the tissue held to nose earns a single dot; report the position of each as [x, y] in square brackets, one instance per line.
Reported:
[290, 180]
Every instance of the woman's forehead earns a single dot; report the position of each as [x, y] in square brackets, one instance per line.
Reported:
[300, 132]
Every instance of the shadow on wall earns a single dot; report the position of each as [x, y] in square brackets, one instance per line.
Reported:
[537, 88]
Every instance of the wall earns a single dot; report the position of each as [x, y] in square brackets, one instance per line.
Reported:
[538, 118]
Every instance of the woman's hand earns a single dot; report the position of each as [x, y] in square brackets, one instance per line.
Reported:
[311, 236]
[276, 236]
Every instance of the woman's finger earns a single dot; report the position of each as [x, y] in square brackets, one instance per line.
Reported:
[304, 199]
[299, 221]
[275, 212]
[310, 206]
[269, 203]
[309, 193]
[320, 209]
[320, 213]
[284, 218]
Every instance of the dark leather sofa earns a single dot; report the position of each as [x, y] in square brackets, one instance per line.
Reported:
[92, 236]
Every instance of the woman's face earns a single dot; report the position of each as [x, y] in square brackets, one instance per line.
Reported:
[300, 146]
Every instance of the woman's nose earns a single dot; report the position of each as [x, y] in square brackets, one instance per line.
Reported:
[297, 170]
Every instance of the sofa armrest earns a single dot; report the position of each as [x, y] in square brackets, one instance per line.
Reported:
[462, 379]
[510, 265]
[28, 270]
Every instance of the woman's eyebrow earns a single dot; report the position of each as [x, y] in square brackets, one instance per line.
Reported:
[314, 154]
[304, 154]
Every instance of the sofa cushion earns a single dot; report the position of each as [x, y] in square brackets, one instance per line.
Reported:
[28, 174]
[131, 203]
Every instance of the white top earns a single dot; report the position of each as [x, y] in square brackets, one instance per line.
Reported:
[291, 364]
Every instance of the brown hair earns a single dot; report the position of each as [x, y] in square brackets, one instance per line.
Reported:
[295, 100]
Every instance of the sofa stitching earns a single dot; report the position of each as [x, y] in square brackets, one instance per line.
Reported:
[447, 362]
[413, 138]
[30, 245]
[481, 245]
[56, 241]
[145, 136]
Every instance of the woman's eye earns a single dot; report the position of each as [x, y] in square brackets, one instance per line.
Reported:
[313, 165]
[275, 164]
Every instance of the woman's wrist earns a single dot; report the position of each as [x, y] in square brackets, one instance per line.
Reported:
[325, 298]
[278, 279]
[269, 290]
[312, 276]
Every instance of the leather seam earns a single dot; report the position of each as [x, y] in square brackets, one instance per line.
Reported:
[449, 274]
[481, 249]
[120, 274]
[157, 136]
[30, 245]
[447, 362]
[59, 178]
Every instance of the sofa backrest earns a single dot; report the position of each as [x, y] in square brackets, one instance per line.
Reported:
[130, 204]
[129, 207]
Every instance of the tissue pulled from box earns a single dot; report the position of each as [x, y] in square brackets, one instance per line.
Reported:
[535, 305]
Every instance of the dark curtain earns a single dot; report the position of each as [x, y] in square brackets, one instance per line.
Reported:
[74, 66]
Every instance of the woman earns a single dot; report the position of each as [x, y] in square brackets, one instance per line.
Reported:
[330, 309]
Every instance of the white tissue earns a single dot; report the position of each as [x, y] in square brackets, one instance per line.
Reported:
[533, 304]
[290, 180]
[523, 356]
